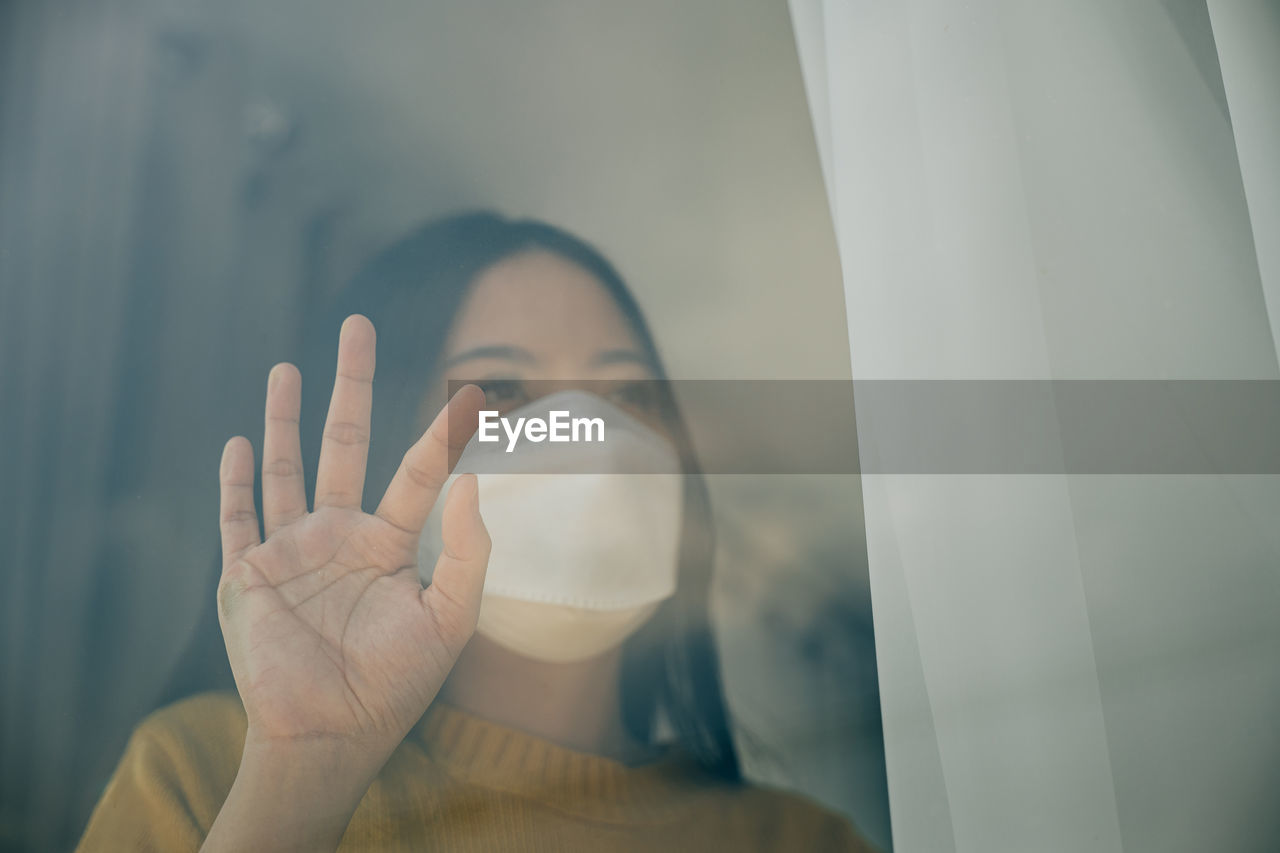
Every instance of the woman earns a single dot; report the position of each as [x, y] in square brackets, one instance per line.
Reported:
[371, 713]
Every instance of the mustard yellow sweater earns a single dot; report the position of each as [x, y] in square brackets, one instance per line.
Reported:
[459, 783]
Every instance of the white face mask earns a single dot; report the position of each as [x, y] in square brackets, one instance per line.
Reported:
[583, 553]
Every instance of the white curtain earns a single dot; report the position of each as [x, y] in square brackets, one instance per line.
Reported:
[1068, 189]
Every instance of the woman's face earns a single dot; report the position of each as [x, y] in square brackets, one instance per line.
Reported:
[536, 323]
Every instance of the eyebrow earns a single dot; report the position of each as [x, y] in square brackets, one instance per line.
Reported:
[508, 352]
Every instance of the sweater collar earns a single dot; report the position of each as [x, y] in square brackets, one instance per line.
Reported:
[485, 753]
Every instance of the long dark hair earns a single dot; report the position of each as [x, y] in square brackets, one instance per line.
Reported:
[412, 292]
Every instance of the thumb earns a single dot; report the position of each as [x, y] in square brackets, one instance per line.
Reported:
[453, 598]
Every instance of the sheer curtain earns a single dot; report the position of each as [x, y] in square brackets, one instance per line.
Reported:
[1063, 191]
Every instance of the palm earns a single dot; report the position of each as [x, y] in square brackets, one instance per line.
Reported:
[329, 630]
[342, 642]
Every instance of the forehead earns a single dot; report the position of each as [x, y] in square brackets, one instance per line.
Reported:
[541, 302]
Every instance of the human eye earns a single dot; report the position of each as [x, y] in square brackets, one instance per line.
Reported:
[640, 398]
[504, 394]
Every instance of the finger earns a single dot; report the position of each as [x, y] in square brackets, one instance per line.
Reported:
[425, 467]
[344, 450]
[453, 598]
[237, 517]
[284, 496]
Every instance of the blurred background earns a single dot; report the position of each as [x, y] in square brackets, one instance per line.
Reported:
[182, 183]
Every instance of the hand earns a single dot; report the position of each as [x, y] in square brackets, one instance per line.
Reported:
[331, 636]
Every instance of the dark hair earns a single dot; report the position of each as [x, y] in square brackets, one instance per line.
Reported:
[412, 291]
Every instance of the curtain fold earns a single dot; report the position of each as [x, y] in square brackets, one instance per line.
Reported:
[1246, 34]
